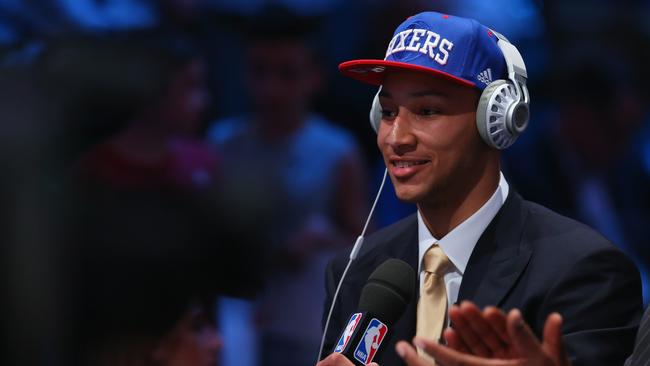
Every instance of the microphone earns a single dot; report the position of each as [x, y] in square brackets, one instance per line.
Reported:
[383, 300]
[353, 255]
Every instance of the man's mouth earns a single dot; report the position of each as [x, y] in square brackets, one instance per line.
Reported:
[408, 163]
[406, 168]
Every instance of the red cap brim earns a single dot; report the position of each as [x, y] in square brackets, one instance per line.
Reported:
[374, 71]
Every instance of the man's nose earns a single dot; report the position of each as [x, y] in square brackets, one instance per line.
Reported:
[400, 137]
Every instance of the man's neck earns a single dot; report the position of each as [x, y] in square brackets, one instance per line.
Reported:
[452, 208]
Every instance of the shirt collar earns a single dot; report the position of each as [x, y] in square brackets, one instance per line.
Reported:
[459, 243]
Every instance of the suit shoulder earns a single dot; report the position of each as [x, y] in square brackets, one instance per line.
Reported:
[552, 230]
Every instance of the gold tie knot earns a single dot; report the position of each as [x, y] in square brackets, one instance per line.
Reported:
[436, 261]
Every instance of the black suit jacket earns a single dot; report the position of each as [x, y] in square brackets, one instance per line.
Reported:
[528, 258]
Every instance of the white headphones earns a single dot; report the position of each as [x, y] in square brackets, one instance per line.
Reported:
[503, 109]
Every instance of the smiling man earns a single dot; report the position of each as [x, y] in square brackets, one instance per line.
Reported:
[453, 94]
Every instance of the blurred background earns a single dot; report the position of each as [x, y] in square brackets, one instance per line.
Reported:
[177, 173]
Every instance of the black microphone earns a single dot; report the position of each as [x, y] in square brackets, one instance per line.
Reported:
[383, 300]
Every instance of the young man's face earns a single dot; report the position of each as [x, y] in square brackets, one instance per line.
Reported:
[428, 136]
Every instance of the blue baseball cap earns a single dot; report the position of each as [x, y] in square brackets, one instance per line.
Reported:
[457, 49]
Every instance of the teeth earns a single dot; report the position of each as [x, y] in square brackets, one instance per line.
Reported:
[406, 164]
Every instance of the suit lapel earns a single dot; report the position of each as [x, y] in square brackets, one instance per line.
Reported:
[498, 258]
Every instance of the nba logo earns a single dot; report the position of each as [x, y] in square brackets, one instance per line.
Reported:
[347, 334]
[370, 341]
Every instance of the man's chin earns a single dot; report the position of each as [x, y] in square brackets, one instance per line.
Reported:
[408, 196]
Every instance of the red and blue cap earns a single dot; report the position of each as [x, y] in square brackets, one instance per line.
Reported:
[457, 49]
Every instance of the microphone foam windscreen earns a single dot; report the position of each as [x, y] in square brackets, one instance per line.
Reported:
[389, 290]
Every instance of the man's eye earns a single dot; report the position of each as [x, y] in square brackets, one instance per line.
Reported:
[386, 113]
[429, 112]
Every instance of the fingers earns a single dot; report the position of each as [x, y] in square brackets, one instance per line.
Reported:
[476, 333]
[335, 359]
[465, 332]
[454, 341]
[553, 345]
[410, 355]
[449, 357]
[485, 332]
[525, 343]
[553, 332]
[492, 334]
[497, 320]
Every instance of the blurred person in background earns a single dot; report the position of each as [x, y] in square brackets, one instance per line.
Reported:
[157, 145]
[149, 266]
[188, 338]
[141, 264]
[284, 159]
[143, 300]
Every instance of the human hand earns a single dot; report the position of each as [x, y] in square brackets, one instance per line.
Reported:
[524, 347]
[480, 333]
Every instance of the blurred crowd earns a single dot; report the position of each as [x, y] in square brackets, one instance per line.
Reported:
[177, 173]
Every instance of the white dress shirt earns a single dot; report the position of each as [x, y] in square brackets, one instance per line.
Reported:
[459, 243]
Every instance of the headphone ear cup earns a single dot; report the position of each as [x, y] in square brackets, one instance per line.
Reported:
[482, 121]
[375, 113]
[494, 114]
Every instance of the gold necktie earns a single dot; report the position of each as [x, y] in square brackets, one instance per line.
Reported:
[432, 305]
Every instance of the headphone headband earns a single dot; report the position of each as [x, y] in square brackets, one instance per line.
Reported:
[515, 65]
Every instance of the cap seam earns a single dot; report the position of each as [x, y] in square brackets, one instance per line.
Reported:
[472, 48]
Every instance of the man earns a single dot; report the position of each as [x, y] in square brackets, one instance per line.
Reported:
[439, 94]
